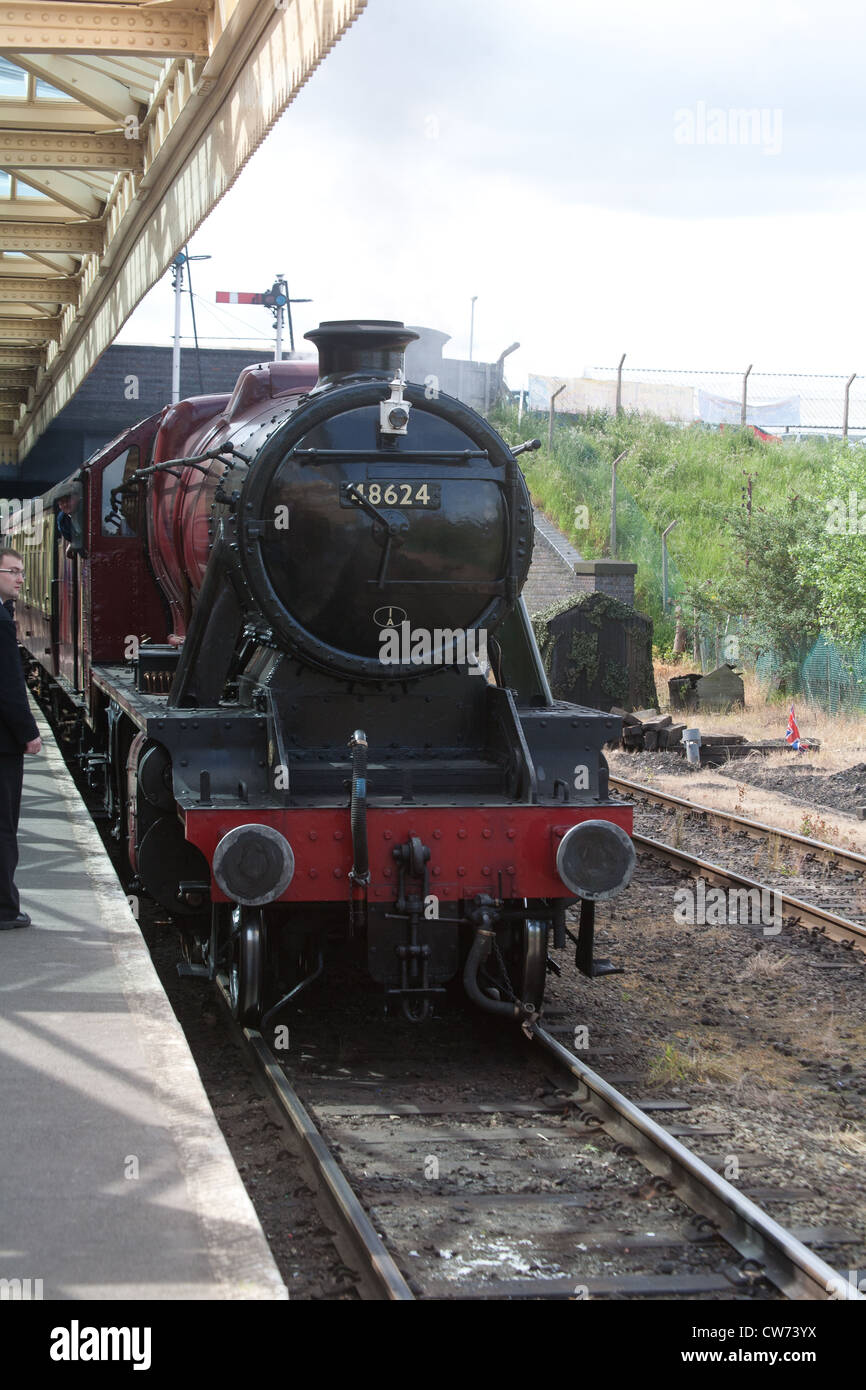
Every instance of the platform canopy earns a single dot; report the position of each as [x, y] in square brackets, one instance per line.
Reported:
[121, 125]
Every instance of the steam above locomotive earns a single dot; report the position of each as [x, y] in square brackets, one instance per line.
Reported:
[344, 739]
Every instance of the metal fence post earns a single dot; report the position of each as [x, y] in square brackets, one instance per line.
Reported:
[665, 535]
[845, 412]
[553, 397]
[619, 386]
[745, 395]
[617, 460]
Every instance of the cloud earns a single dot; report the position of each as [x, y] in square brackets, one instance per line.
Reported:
[529, 156]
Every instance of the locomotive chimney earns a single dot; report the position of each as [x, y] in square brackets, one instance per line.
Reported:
[359, 347]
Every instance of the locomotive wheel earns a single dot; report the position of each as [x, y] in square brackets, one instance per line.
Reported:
[525, 960]
[532, 977]
[247, 965]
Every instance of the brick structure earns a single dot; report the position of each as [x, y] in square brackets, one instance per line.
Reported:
[551, 574]
[596, 649]
[558, 572]
[613, 577]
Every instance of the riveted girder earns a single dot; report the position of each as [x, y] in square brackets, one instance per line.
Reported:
[147, 30]
[121, 125]
[68, 150]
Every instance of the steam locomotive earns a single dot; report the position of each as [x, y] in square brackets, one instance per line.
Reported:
[284, 631]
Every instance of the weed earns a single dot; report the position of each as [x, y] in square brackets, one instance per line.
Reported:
[763, 965]
[672, 1065]
[816, 828]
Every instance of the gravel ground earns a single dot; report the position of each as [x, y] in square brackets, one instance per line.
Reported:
[762, 1039]
[840, 793]
[789, 869]
[762, 1036]
[273, 1175]
[503, 1181]
[843, 791]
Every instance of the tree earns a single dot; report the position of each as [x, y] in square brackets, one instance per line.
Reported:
[765, 582]
[831, 555]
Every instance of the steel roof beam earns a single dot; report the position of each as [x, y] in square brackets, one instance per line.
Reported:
[147, 31]
[67, 265]
[93, 89]
[18, 359]
[45, 290]
[200, 124]
[44, 115]
[63, 188]
[19, 381]
[29, 330]
[68, 150]
[77, 238]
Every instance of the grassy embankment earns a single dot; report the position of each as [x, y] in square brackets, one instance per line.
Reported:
[694, 475]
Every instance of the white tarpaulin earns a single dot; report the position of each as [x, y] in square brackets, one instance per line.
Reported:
[719, 410]
[582, 393]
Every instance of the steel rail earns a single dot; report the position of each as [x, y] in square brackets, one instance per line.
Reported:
[381, 1277]
[759, 829]
[790, 1265]
[833, 926]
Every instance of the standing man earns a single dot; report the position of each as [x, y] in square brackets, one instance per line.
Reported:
[18, 735]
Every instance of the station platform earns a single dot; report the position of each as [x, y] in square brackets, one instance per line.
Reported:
[115, 1180]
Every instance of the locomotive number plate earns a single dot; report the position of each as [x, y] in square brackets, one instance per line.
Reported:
[390, 493]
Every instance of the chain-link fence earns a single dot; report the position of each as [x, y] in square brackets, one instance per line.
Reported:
[786, 404]
[828, 675]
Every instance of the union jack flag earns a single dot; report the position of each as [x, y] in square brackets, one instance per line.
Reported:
[792, 735]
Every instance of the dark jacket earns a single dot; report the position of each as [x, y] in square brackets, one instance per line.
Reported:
[17, 725]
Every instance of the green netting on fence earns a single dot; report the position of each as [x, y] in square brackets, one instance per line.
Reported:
[835, 678]
[830, 676]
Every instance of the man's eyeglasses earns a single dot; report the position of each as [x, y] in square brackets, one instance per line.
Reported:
[21, 572]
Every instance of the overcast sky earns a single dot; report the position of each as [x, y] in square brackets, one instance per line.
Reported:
[581, 169]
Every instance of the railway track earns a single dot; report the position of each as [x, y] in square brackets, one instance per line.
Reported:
[849, 859]
[526, 1196]
[538, 1197]
[829, 923]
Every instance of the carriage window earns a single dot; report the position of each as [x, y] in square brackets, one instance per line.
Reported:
[69, 517]
[118, 517]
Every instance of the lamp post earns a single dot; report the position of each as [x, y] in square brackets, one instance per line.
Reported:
[500, 370]
[472, 325]
[177, 267]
